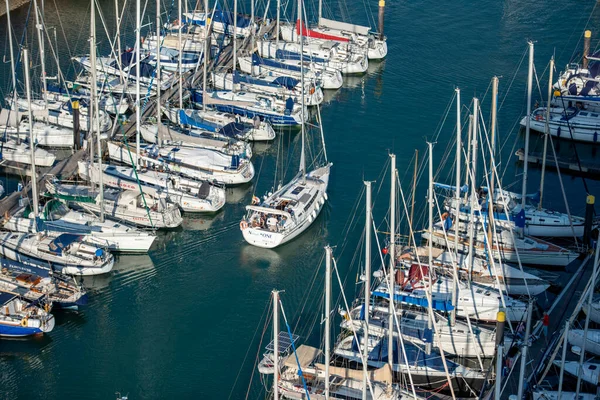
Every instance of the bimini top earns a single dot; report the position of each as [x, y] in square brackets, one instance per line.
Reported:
[6, 297]
[62, 241]
[306, 355]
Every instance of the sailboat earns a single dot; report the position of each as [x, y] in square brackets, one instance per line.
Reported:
[129, 206]
[189, 195]
[13, 151]
[291, 209]
[57, 218]
[66, 253]
[21, 318]
[589, 371]
[36, 283]
[244, 128]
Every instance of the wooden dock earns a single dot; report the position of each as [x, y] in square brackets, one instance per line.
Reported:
[541, 349]
[570, 166]
[14, 4]
[64, 169]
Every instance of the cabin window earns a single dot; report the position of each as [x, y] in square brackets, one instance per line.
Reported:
[592, 367]
[542, 220]
[595, 115]
[583, 114]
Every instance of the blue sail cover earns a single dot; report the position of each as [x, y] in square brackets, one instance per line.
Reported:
[184, 119]
[62, 241]
[258, 60]
[282, 81]
[233, 129]
[418, 301]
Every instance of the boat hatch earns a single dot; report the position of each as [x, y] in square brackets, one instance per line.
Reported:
[284, 342]
[62, 242]
[297, 190]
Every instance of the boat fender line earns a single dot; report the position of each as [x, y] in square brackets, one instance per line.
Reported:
[24, 322]
[243, 224]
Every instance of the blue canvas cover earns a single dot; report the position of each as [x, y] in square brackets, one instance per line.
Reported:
[62, 241]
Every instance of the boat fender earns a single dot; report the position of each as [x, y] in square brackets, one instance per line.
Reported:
[325, 196]
[24, 322]
[243, 224]
[313, 214]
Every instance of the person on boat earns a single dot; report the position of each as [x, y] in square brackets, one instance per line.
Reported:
[272, 223]
[546, 323]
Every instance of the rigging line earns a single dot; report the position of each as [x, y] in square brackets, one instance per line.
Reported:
[587, 190]
[300, 373]
[265, 325]
[514, 77]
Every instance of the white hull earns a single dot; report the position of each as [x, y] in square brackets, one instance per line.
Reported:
[204, 171]
[271, 238]
[592, 344]
[21, 153]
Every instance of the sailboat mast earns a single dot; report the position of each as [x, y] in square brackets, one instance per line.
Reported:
[34, 192]
[94, 112]
[392, 265]
[275, 344]
[119, 50]
[547, 133]
[205, 55]
[320, 11]
[430, 246]
[252, 32]
[13, 70]
[457, 200]
[367, 283]
[327, 314]
[473, 181]
[492, 157]
[180, 46]
[302, 155]
[138, 111]
[158, 73]
[527, 124]
[234, 38]
[277, 24]
[40, 36]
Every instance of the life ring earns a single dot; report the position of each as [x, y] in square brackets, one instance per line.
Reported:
[243, 224]
[444, 216]
[24, 322]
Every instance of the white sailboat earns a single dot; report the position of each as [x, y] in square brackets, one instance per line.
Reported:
[15, 152]
[66, 253]
[57, 218]
[589, 371]
[189, 195]
[253, 129]
[129, 206]
[592, 339]
[200, 164]
[287, 212]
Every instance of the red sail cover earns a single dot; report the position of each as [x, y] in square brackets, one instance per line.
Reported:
[318, 35]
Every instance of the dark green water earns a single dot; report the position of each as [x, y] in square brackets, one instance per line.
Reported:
[180, 322]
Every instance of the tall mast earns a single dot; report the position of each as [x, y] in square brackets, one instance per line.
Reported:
[546, 133]
[158, 105]
[430, 246]
[492, 157]
[275, 344]
[457, 200]
[34, 192]
[367, 284]
[524, 350]
[320, 11]
[179, 44]
[205, 55]
[527, 124]
[302, 155]
[473, 180]
[327, 314]
[94, 112]
[234, 37]
[119, 50]
[138, 111]
[13, 69]
[252, 24]
[40, 36]
[392, 265]
[277, 24]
